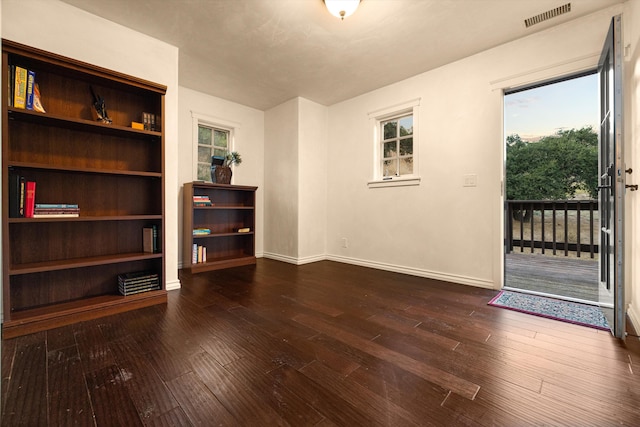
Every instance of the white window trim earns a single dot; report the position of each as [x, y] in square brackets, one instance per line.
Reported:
[375, 118]
[214, 122]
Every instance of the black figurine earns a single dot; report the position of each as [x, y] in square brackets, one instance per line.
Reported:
[101, 109]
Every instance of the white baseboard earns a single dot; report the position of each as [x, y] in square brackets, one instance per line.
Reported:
[294, 260]
[463, 280]
[173, 285]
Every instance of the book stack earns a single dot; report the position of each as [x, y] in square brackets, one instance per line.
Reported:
[149, 121]
[135, 283]
[199, 254]
[23, 90]
[200, 201]
[56, 210]
[201, 231]
[22, 196]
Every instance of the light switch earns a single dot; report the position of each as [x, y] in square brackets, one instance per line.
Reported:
[470, 180]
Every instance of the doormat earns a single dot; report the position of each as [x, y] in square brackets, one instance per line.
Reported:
[565, 311]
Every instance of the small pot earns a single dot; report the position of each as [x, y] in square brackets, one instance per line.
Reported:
[223, 174]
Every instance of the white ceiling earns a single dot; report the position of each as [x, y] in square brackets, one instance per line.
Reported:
[261, 53]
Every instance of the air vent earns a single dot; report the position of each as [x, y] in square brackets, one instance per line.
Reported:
[547, 15]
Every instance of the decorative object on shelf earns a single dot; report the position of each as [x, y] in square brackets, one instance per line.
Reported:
[341, 8]
[223, 172]
[215, 162]
[100, 107]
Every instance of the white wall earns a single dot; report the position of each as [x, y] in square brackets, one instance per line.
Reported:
[441, 229]
[296, 169]
[314, 166]
[631, 25]
[248, 141]
[57, 27]
[281, 182]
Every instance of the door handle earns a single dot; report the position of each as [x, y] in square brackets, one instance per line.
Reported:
[632, 187]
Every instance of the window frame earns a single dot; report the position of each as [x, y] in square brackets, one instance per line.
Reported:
[376, 119]
[198, 120]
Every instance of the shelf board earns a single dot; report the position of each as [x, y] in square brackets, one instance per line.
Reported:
[66, 264]
[42, 318]
[87, 218]
[79, 124]
[30, 165]
[222, 262]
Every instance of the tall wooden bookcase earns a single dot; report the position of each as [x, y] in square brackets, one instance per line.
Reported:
[58, 271]
[233, 208]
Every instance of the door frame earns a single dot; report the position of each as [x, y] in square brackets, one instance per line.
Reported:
[613, 173]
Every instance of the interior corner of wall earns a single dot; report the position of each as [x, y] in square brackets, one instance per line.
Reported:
[634, 317]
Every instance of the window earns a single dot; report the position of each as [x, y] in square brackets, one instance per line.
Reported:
[212, 136]
[211, 142]
[397, 146]
[395, 139]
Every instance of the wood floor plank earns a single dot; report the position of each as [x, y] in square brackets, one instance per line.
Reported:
[254, 374]
[26, 401]
[321, 399]
[239, 400]
[108, 391]
[174, 418]
[8, 357]
[69, 400]
[198, 403]
[430, 373]
[361, 397]
[145, 386]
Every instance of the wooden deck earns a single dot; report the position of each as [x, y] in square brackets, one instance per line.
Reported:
[574, 278]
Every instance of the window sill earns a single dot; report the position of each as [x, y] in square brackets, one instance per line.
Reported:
[396, 181]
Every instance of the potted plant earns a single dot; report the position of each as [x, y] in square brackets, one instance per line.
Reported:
[223, 172]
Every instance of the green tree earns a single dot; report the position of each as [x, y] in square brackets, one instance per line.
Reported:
[553, 168]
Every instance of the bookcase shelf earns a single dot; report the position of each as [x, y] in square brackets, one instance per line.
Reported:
[58, 271]
[233, 208]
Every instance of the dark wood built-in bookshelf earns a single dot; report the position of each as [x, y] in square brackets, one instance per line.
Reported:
[58, 271]
[232, 209]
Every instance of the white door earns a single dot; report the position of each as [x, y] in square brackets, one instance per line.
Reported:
[612, 181]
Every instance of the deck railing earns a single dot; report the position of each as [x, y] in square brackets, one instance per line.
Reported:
[569, 226]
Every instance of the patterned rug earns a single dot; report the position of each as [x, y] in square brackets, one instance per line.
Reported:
[571, 312]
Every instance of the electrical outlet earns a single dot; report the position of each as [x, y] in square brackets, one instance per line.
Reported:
[345, 242]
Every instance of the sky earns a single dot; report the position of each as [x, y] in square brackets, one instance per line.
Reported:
[543, 111]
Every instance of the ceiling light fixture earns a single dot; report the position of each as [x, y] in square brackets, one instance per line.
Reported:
[341, 8]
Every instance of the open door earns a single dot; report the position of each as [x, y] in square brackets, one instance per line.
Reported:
[612, 181]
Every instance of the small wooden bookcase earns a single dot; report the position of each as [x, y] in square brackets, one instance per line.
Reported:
[62, 270]
[230, 220]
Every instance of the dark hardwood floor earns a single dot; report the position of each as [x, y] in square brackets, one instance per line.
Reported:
[322, 344]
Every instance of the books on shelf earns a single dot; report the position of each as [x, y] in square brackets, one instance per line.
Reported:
[20, 88]
[30, 199]
[244, 230]
[149, 121]
[199, 254]
[137, 282]
[150, 239]
[200, 201]
[56, 210]
[23, 90]
[17, 185]
[31, 79]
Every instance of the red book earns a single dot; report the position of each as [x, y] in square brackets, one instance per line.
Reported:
[30, 201]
